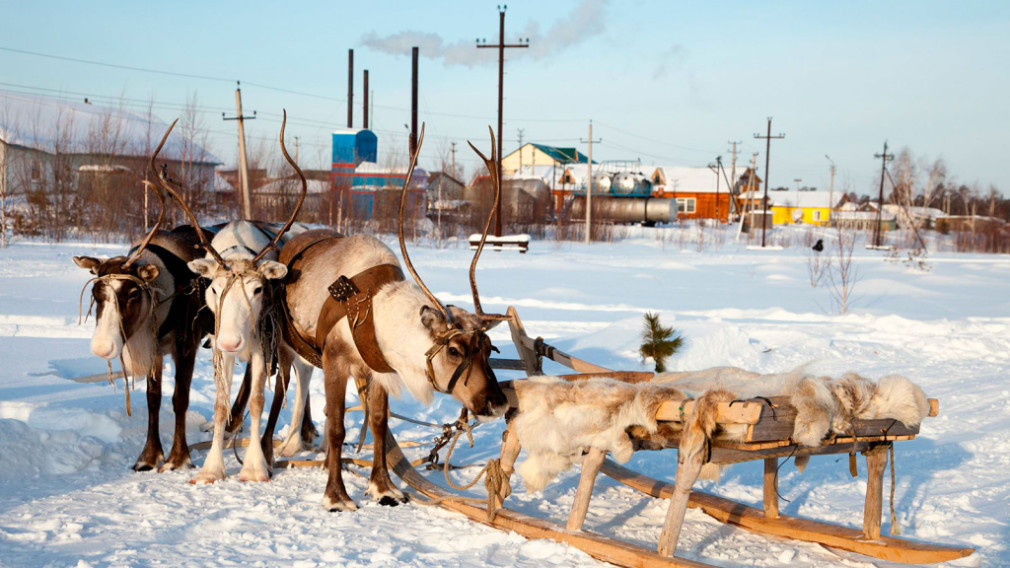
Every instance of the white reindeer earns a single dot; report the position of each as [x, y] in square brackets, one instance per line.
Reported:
[245, 280]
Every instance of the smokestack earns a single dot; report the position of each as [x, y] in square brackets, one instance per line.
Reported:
[413, 102]
[350, 88]
[365, 121]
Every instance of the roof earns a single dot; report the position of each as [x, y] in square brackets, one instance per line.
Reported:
[49, 125]
[688, 179]
[562, 155]
[802, 199]
[292, 184]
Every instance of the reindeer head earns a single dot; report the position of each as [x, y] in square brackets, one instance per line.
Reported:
[126, 295]
[243, 282]
[457, 362]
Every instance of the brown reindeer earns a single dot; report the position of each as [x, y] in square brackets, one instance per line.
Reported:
[147, 307]
[349, 311]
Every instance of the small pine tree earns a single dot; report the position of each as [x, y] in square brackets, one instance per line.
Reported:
[658, 342]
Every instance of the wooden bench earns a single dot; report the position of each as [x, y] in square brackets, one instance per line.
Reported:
[506, 242]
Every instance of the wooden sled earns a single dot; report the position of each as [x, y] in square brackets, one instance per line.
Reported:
[769, 427]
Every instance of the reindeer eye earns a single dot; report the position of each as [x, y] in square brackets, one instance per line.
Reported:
[133, 294]
[257, 290]
[453, 352]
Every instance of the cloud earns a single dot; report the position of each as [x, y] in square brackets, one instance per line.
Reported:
[672, 58]
[587, 20]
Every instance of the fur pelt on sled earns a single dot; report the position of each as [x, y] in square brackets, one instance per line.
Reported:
[823, 405]
[560, 420]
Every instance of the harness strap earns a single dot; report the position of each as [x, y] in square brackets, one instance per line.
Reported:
[352, 298]
[289, 256]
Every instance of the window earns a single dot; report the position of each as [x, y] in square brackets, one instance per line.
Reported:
[817, 214]
[685, 205]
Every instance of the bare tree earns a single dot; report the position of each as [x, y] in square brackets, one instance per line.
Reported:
[842, 273]
[817, 260]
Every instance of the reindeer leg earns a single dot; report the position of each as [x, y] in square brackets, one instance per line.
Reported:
[152, 454]
[255, 466]
[179, 458]
[309, 432]
[335, 374]
[295, 441]
[280, 392]
[213, 465]
[380, 486]
[235, 419]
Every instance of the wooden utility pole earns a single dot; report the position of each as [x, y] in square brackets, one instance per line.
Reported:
[880, 198]
[501, 76]
[243, 166]
[589, 183]
[768, 147]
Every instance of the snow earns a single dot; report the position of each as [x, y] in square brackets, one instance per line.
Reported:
[68, 497]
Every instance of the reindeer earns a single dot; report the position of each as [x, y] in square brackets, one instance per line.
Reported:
[244, 283]
[147, 307]
[349, 311]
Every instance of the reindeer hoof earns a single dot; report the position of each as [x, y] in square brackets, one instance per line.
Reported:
[205, 478]
[339, 505]
[388, 501]
[142, 466]
[257, 476]
[172, 465]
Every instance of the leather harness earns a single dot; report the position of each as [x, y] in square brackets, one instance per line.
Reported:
[350, 298]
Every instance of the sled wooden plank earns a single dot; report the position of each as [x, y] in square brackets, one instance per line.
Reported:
[597, 546]
[728, 413]
[727, 511]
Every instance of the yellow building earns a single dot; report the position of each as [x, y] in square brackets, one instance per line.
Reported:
[540, 155]
[795, 207]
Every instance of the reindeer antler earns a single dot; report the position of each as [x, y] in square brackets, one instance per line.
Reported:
[157, 225]
[301, 199]
[399, 223]
[492, 167]
[182, 202]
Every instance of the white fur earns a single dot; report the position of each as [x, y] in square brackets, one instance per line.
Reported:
[559, 420]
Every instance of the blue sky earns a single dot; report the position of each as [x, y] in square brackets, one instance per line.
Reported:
[666, 82]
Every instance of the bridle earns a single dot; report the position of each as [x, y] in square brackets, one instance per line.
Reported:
[477, 345]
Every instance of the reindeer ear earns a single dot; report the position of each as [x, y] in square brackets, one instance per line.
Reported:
[431, 318]
[147, 272]
[203, 266]
[272, 270]
[88, 263]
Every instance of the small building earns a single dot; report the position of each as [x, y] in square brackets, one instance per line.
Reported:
[364, 190]
[863, 217]
[80, 166]
[701, 193]
[534, 155]
[800, 207]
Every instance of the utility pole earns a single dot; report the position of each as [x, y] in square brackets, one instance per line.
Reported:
[296, 148]
[717, 168]
[453, 150]
[243, 166]
[831, 190]
[768, 148]
[501, 75]
[521, 130]
[589, 183]
[413, 101]
[364, 113]
[880, 198]
[733, 166]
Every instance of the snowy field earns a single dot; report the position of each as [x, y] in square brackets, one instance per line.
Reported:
[68, 497]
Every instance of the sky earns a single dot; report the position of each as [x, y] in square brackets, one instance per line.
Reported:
[664, 82]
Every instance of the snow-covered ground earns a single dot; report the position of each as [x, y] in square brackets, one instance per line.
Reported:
[68, 497]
